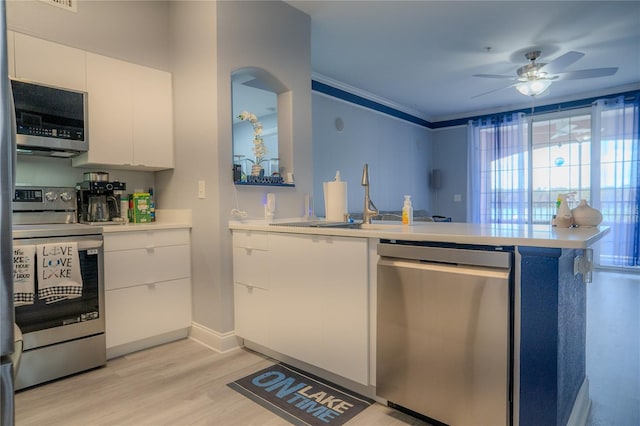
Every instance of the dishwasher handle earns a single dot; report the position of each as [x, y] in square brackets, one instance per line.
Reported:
[494, 259]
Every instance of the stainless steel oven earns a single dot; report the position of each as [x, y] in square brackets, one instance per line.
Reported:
[61, 335]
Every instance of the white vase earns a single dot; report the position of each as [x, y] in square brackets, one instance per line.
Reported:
[585, 215]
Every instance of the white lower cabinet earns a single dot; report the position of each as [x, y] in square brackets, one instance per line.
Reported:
[251, 303]
[147, 288]
[252, 290]
[143, 311]
[307, 298]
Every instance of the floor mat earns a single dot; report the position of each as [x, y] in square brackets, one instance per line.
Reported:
[299, 397]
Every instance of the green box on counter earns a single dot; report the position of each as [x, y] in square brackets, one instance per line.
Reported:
[139, 207]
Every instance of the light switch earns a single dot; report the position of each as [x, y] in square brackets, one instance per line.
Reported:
[201, 189]
[457, 198]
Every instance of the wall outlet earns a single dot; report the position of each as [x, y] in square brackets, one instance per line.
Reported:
[201, 189]
[457, 198]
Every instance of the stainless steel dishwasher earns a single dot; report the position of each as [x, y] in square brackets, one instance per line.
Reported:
[444, 332]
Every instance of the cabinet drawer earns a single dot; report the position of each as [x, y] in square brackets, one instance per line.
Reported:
[146, 239]
[144, 311]
[251, 267]
[127, 268]
[251, 240]
[252, 305]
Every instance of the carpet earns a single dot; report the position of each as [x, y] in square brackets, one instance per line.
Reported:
[299, 397]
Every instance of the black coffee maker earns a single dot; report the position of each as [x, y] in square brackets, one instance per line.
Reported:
[99, 201]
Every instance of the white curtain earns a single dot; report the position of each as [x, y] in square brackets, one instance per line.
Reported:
[498, 184]
[616, 183]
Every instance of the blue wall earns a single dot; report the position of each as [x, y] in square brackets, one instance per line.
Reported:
[398, 153]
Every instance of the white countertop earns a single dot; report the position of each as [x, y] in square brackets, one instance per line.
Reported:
[166, 219]
[130, 227]
[449, 232]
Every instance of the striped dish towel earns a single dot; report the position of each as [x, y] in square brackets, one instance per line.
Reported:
[24, 260]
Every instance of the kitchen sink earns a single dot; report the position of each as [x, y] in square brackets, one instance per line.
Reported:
[344, 225]
[380, 226]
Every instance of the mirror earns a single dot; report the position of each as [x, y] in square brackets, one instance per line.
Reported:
[255, 127]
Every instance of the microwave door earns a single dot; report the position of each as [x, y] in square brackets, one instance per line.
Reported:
[49, 120]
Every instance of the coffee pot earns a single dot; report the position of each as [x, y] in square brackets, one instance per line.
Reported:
[98, 210]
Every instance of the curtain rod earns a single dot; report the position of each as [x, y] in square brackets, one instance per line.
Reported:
[582, 103]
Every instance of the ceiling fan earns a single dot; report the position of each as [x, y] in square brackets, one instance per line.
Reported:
[535, 78]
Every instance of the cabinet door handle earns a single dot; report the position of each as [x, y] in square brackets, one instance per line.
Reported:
[150, 248]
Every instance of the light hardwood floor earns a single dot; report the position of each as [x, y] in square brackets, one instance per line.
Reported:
[613, 348]
[180, 383]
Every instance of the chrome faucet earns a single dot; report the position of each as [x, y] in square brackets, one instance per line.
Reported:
[370, 209]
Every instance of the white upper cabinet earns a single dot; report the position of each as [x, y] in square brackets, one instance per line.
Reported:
[130, 106]
[153, 112]
[109, 85]
[130, 116]
[50, 63]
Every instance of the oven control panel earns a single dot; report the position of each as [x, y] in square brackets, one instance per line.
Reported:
[43, 199]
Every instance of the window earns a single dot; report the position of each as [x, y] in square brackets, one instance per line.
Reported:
[560, 162]
[517, 169]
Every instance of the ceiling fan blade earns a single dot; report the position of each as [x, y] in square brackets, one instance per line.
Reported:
[498, 76]
[590, 73]
[495, 90]
[561, 62]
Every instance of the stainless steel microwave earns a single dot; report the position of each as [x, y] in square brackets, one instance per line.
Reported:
[49, 120]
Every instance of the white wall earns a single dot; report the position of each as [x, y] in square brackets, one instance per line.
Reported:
[277, 38]
[195, 103]
[398, 153]
[209, 41]
[58, 172]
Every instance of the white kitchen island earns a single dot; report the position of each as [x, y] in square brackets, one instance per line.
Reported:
[310, 282]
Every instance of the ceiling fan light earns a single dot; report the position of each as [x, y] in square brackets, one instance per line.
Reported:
[533, 87]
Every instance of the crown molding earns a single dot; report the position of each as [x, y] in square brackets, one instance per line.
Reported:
[367, 95]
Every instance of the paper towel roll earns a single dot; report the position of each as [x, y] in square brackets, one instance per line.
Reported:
[335, 200]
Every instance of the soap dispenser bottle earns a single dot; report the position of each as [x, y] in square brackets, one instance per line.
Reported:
[564, 218]
[407, 211]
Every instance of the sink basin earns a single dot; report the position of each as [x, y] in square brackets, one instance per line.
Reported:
[318, 224]
[344, 225]
[380, 226]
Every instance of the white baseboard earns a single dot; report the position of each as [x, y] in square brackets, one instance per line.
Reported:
[581, 406]
[138, 345]
[219, 342]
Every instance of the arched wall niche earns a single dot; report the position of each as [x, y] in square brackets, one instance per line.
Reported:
[267, 100]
